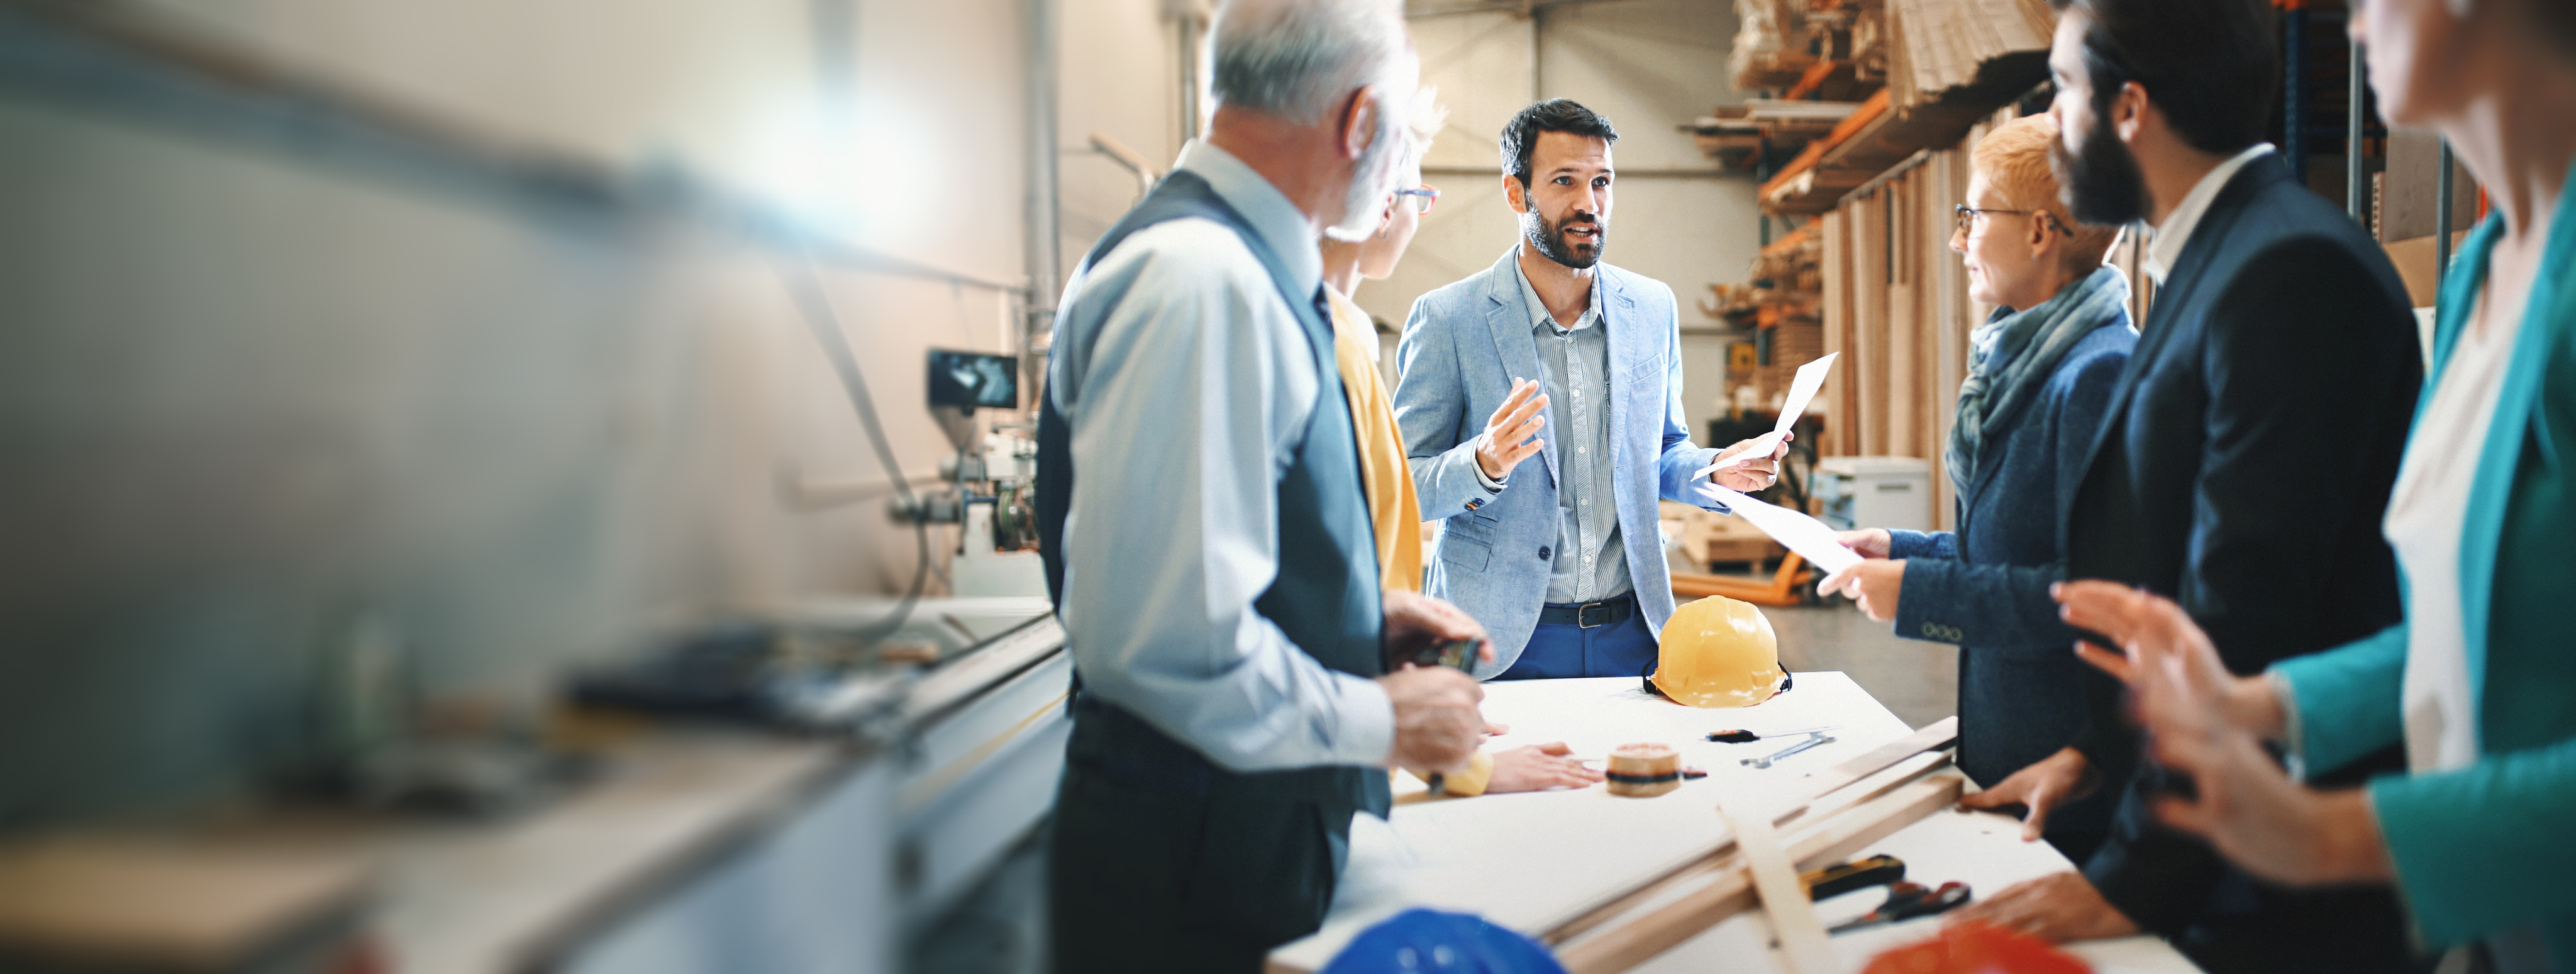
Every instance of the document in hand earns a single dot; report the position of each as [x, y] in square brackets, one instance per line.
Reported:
[1810, 378]
[1809, 537]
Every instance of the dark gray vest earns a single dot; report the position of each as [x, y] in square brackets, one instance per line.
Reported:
[1326, 596]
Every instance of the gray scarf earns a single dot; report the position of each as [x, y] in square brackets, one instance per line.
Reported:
[2011, 356]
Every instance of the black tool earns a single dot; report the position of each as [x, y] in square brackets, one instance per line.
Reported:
[1740, 736]
[1458, 654]
[1843, 877]
[1906, 901]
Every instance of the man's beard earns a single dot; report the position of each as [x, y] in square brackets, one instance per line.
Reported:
[1550, 239]
[1372, 178]
[2103, 185]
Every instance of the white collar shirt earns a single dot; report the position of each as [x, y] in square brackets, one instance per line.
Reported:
[2164, 250]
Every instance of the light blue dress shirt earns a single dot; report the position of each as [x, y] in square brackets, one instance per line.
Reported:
[1188, 399]
[1591, 565]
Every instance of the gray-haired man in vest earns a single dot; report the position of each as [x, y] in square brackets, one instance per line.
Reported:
[1209, 542]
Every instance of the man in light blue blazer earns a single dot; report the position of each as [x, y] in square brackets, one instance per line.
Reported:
[1555, 355]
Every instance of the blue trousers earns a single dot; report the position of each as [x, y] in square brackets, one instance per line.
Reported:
[1623, 648]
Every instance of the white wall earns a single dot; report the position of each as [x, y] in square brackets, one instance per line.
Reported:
[247, 386]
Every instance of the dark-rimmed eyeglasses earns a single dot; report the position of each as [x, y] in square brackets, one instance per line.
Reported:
[1967, 217]
[1422, 197]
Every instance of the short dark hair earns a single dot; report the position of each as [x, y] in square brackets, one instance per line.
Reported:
[2213, 67]
[1552, 115]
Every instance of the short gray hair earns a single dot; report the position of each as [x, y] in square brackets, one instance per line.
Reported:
[1294, 59]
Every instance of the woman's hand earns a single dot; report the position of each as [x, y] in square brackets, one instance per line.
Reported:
[2156, 636]
[2203, 721]
[1866, 542]
[1539, 767]
[2039, 789]
[2261, 820]
[1875, 584]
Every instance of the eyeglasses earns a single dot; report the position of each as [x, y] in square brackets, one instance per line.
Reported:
[1967, 216]
[1424, 197]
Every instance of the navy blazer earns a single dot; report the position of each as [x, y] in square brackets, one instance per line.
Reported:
[1985, 587]
[2243, 473]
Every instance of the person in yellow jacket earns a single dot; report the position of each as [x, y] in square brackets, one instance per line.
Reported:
[1394, 512]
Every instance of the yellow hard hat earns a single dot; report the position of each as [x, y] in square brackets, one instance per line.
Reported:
[1718, 652]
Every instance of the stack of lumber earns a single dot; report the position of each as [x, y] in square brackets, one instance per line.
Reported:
[1784, 298]
[1941, 45]
[1730, 135]
[1771, 46]
[1787, 284]
[1843, 811]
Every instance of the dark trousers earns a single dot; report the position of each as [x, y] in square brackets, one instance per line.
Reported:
[1624, 648]
[1149, 880]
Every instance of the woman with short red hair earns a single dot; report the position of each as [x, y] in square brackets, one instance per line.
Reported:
[2040, 374]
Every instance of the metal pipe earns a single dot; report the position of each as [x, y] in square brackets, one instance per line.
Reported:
[2294, 93]
[2442, 224]
[1538, 91]
[1129, 159]
[1191, 21]
[1045, 233]
[2355, 199]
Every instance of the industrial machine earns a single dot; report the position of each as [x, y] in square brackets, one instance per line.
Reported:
[992, 475]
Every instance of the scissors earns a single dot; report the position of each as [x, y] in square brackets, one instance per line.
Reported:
[1905, 901]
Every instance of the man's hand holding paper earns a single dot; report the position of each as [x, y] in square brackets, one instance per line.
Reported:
[1752, 454]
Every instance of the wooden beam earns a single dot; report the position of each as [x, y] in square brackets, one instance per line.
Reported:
[1869, 111]
[1809, 82]
[1820, 790]
[1803, 947]
[1694, 903]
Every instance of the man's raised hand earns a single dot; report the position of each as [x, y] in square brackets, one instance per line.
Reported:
[1511, 434]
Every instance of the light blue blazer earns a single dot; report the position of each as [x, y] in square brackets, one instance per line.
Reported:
[1462, 347]
[2489, 847]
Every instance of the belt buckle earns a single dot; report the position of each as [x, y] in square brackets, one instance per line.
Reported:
[1583, 615]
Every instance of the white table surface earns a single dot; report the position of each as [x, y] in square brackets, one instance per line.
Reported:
[1532, 861]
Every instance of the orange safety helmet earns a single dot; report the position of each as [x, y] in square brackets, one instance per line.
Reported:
[1718, 652]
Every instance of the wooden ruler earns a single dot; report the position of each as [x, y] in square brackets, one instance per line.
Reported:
[1803, 947]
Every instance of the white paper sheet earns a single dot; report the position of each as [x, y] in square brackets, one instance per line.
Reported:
[1802, 390]
[1810, 538]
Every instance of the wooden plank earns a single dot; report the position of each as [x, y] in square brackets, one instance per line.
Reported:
[1803, 946]
[1707, 898]
[1887, 763]
[1869, 320]
[1807, 83]
[1869, 112]
[1835, 268]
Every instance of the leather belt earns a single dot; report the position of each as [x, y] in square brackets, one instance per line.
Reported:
[1590, 615]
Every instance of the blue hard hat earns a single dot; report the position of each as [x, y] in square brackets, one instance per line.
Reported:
[1431, 942]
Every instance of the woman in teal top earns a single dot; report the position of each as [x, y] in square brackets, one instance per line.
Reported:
[2479, 682]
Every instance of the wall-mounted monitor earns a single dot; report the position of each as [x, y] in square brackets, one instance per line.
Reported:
[974, 380]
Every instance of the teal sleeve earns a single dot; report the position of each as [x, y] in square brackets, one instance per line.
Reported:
[2479, 849]
[2345, 702]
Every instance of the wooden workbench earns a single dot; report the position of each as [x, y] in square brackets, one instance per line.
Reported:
[1532, 861]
